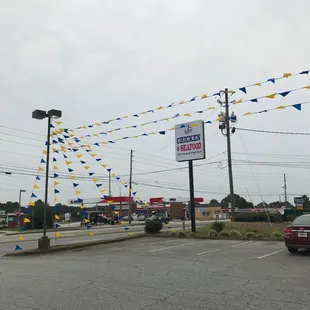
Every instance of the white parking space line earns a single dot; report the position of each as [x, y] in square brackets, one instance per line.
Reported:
[242, 243]
[173, 246]
[206, 252]
[266, 255]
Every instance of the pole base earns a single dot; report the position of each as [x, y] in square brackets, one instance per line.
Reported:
[44, 243]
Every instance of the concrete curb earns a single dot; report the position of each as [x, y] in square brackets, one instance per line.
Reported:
[68, 247]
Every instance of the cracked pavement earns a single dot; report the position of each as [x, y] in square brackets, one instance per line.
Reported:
[153, 273]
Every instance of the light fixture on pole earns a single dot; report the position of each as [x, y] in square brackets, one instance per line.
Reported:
[44, 241]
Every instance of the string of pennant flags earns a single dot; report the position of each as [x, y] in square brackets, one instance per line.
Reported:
[89, 151]
[243, 89]
[163, 132]
[69, 133]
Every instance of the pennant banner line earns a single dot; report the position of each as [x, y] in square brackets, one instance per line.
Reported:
[33, 196]
[193, 99]
[283, 94]
[89, 151]
[79, 145]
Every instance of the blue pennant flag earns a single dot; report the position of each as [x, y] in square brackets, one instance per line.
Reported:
[87, 136]
[254, 100]
[91, 174]
[65, 156]
[56, 175]
[126, 228]
[38, 178]
[136, 115]
[272, 80]
[97, 144]
[18, 248]
[134, 193]
[23, 228]
[148, 111]
[118, 119]
[177, 115]
[118, 178]
[54, 159]
[98, 159]
[125, 138]
[88, 151]
[182, 126]
[304, 72]
[217, 94]
[111, 141]
[105, 123]
[126, 185]
[113, 207]
[89, 226]
[170, 105]
[84, 213]
[57, 208]
[67, 137]
[75, 150]
[28, 211]
[285, 93]
[56, 191]
[144, 134]
[66, 130]
[52, 126]
[297, 106]
[77, 140]
[75, 184]
[243, 89]
[42, 161]
[193, 99]
[98, 185]
[109, 169]
[90, 126]
[70, 170]
[80, 200]
[57, 225]
[162, 132]
[208, 122]
[33, 195]
[83, 162]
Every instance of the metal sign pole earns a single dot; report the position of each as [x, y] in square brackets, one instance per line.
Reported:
[192, 195]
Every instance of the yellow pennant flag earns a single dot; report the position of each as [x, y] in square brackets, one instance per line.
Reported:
[86, 167]
[95, 179]
[57, 217]
[26, 220]
[239, 101]
[31, 203]
[181, 102]
[21, 238]
[122, 222]
[104, 165]
[35, 186]
[271, 96]
[160, 108]
[58, 234]
[70, 143]
[130, 234]
[44, 152]
[195, 125]
[280, 107]
[187, 114]
[91, 234]
[58, 123]
[247, 113]
[56, 183]
[78, 192]
[79, 155]
[82, 207]
[72, 178]
[211, 108]
[113, 174]
[258, 84]
[71, 135]
[93, 155]
[68, 162]
[41, 169]
[102, 191]
[86, 221]
[98, 124]
[116, 212]
[204, 96]
[109, 202]
[56, 168]
[62, 148]
[286, 75]
[307, 87]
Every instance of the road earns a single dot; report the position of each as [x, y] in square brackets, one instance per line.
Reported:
[8, 242]
[157, 273]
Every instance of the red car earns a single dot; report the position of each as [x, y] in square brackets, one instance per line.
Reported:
[297, 234]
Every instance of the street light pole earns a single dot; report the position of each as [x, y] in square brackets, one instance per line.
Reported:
[44, 242]
[20, 197]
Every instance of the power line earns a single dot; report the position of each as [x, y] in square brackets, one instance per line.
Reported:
[275, 132]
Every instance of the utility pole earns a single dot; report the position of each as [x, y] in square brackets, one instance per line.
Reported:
[130, 185]
[285, 192]
[225, 128]
[110, 183]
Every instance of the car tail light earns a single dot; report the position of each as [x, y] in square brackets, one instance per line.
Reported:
[288, 231]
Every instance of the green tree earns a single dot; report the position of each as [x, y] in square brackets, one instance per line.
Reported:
[306, 202]
[214, 202]
[37, 216]
[240, 202]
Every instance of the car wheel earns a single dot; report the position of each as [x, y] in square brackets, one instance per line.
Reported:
[293, 250]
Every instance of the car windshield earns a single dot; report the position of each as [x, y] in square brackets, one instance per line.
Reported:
[302, 220]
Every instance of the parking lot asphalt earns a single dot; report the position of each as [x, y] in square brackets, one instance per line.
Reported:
[158, 273]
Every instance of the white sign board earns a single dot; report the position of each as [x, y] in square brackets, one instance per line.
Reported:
[190, 141]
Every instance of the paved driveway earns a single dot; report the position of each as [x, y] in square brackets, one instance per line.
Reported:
[158, 273]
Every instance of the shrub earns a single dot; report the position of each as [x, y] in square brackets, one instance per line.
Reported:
[154, 226]
[277, 235]
[192, 234]
[3, 222]
[250, 234]
[224, 234]
[218, 226]
[290, 218]
[235, 234]
[181, 234]
[212, 233]
[258, 216]
[173, 234]
[259, 235]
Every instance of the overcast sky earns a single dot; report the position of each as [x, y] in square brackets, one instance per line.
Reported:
[97, 60]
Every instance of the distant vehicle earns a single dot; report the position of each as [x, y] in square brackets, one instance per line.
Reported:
[297, 234]
[141, 218]
[163, 219]
[126, 218]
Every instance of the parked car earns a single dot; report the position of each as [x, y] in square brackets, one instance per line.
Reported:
[163, 219]
[141, 218]
[126, 218]
[297, 234]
